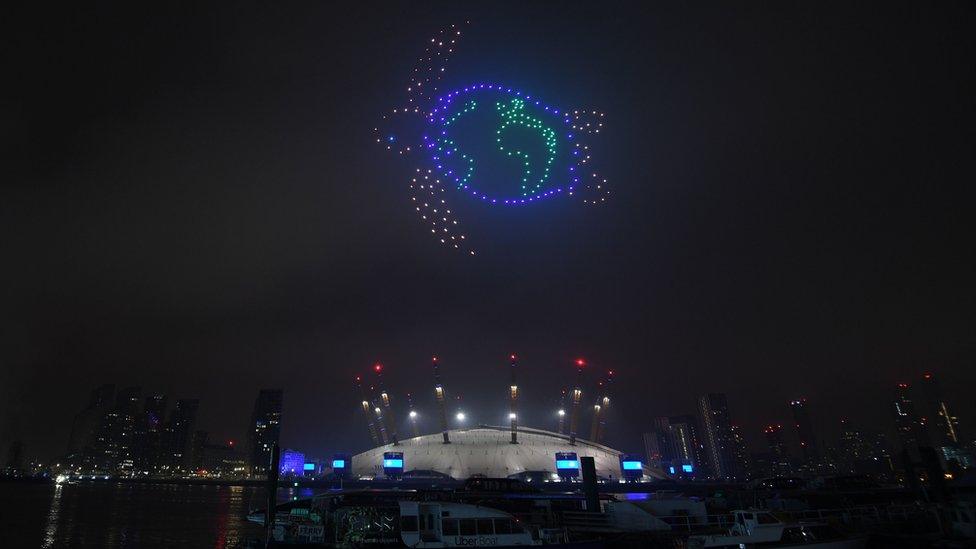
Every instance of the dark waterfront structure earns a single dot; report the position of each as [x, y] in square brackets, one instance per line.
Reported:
[153, 431]
[86, 428]
[222, 460]
[674, 446]
[122, 433]
[809, 449]
[863, 453]
[658, 443]
[742, 459]
[924, 419]
[687, 445]
[125, 434]
[907, 423]
[106, 435]
[941, 425]
[264, 429]
[779, 459]
[717, 435]
[179, 434]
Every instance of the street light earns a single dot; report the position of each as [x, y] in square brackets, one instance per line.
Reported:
[460, 416]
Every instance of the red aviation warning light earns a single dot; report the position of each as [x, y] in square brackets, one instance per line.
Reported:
[378, 367]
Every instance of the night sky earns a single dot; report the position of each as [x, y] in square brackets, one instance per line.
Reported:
[193, 203]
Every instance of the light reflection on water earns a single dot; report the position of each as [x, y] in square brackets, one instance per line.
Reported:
[104, 514]
[51, 528]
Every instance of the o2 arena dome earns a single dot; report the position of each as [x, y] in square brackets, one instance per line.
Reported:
[487, 451]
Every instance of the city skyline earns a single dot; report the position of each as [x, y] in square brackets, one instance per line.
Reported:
[682, 442]
[210, 216]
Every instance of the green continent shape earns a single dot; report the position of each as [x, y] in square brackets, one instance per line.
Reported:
[513, 114]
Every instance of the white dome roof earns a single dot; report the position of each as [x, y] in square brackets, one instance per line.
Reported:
[487, 451]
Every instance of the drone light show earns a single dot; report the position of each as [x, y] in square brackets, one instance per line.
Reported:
[488, 143]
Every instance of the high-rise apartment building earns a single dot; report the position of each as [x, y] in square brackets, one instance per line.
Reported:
[179, 433]
[717, 435]
[907, 423]
[264, 429]
[809, 448]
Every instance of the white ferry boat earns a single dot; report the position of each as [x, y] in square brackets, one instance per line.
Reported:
[374, 519]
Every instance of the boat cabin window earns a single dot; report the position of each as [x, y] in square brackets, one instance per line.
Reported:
[766, 518]
[485, 528]
[467, 527]
[450, 527]
[503, 526]
[408, 523]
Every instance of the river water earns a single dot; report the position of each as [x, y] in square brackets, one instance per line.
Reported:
[106, 514]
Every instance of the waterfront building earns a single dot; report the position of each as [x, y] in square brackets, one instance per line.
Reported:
[658, 443]
[82, 453]
[942, 427]
[809, 449]
[153, 428]
[779, 459]
[907, 423]
[179, 435]
[742, 458]
[687, 449]
[717, 435]
[264, 429]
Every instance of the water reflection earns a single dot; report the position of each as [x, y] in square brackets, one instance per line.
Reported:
[104, 514]
[54, 513]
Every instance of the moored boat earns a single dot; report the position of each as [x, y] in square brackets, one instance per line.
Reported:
[762, 529]
[401, 518]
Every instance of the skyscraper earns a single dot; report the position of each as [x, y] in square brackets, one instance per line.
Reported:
[179, 433]
[125, 436]
[852, 447]
[742, 461]
[657, 443]
[942, 427]
[717, 426]
[153, 436]
[804, 430]
[906, 420]
[83, 444]
[264, 429]
[686, 443]
[779, 460]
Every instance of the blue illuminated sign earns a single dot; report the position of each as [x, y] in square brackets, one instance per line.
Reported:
[393, 463]
[309, 466]
[671, 469]
[687, 468]
[338, 464]
[632, 466]
[567, 464]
